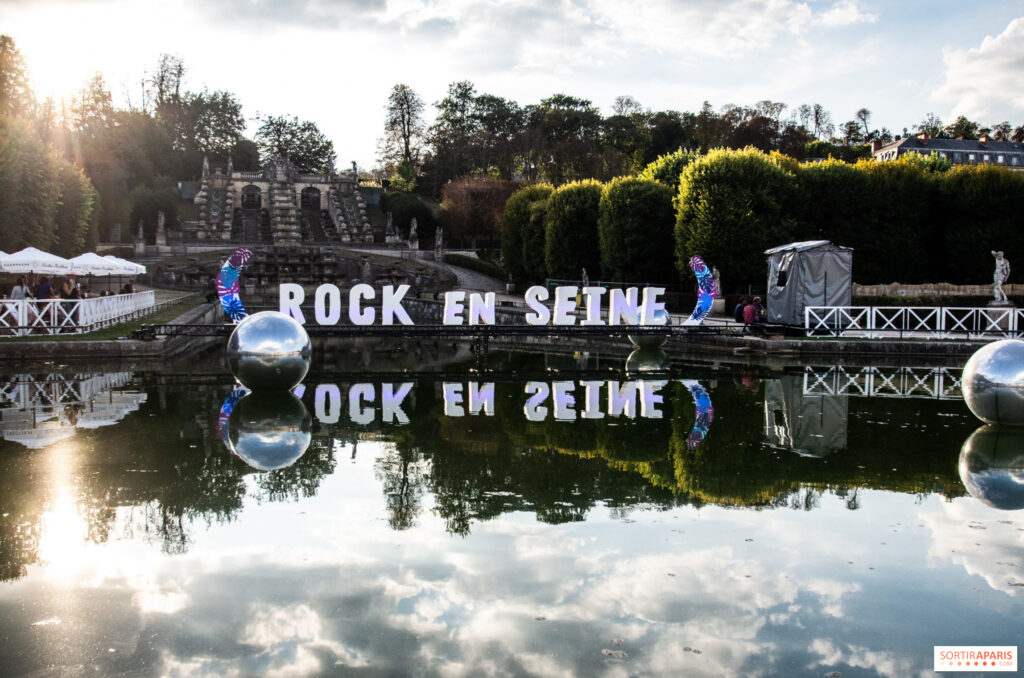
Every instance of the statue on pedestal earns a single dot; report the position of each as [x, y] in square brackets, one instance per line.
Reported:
[999, 276]
[414, 239]
[438, 242]
[161, 230]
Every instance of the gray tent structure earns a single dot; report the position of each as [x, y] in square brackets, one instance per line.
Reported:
[811, 425]
[808, 273]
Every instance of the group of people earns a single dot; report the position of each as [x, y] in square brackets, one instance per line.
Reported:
[70, 288]
[749, 313]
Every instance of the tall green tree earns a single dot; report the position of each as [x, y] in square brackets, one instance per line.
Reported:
[306, 146]
[15, 93]
[403, 127]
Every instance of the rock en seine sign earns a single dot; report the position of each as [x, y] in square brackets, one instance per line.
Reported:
[625, 306]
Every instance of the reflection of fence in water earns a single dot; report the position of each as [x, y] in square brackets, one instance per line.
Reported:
[39, 410]
[942, 383]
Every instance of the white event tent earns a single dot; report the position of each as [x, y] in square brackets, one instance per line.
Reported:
[31, 260]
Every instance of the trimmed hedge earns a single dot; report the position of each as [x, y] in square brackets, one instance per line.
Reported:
[635, 227]
[521, 248]
[667, 168]
[571, 232]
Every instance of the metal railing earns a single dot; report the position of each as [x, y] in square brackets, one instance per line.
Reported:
[71, 316]
[940, 383]
[881, 322]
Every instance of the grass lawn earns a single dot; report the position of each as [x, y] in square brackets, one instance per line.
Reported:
[124, 329]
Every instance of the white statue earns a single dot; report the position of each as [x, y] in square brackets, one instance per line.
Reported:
[717, 277]
[999, 276]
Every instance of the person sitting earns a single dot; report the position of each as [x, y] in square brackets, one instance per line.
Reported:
[749, 315]
[762, 312]
[737, 313]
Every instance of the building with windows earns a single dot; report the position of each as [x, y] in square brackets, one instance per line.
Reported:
[982, 151]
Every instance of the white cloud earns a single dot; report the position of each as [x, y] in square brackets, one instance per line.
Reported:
[845, 13]
[987, 82]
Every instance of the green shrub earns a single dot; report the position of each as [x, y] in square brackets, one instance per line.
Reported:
[635, 229]
[825, 149]
[732, 206]
[514, 223]
[571, 237]
[667, 168]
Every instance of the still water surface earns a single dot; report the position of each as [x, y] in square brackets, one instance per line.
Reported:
[544, 516]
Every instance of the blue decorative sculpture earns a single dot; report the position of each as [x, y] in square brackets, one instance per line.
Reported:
[228, 286]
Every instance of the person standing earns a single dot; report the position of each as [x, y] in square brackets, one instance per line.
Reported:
[20, 290]
[44, 290]
[737, 313]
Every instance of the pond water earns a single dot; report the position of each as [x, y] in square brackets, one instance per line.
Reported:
[412, 511]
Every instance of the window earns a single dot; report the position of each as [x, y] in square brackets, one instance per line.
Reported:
[1013, 160]
[987, 158]
[958, 157]
[1001, 159]
[970, 157]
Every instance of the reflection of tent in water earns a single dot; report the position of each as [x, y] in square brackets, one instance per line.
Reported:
[39, 412]
[810, 425]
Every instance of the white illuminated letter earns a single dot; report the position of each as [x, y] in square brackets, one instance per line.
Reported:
[481, 309]
[357, 315]
[565, 303]
[481, 398]
[593, 295]
[329, 412]
[330, 296]
[291, 297]
[623, 306]
[453, 400]
[650, 399]
[453, 307]
[535, 298]
[622, 400]
[592, 399]
[356, 412]
[391, 402]
[538, 392]
[392, 306]
[651, 304]
[562, 394]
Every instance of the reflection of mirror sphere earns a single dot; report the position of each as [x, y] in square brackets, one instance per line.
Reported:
[269, 430]
[269, 351]
[652, 340]
[993, 383]
[646, 360]
[992, 467]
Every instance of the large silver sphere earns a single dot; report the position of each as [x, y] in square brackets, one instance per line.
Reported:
[646, 360]
[651, 340]
[269, 351]
[269, 430]
[992, 467]
[993, 383]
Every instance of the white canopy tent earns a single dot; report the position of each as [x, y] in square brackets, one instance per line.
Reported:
[31, 260]
[91, 263]
[127, 267]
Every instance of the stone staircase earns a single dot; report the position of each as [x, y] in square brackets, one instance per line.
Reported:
[284, 215]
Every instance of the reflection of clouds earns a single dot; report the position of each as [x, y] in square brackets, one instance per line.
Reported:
[882, 663]
[980, 540]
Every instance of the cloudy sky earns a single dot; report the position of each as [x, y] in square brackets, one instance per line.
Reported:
[334, 61]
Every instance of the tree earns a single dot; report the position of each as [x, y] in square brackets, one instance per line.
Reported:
[570, 231]
[863, 116]
[850, 130]
[92, 109]
[635, 227]
[165, 84]
[932, 124]
[626, 105]
[451, 133]
[471, 207]
[15, 93]
[1002, 130]
[498, 125]
[962, 128]
[519, 253]
[403, 127]
[302, 142]
[75, 212]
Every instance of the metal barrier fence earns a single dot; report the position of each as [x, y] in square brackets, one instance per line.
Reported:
[880, 322]
[71, 316]
[940, 383]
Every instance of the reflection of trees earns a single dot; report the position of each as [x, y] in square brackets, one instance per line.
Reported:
[301, 479]
[403, 474]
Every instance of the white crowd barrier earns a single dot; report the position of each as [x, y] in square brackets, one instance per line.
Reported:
[882, 322]
[71, 316]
